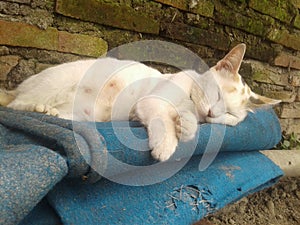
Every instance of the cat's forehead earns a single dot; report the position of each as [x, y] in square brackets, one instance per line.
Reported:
[226, 76]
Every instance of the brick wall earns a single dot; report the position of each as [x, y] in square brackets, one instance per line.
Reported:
[35, 34]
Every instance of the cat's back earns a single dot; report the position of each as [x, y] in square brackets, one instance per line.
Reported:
[60, 75]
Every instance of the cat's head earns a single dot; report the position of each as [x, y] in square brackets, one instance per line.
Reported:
[235, 92]
[234, 96]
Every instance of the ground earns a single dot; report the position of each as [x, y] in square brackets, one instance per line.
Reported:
[277, 205]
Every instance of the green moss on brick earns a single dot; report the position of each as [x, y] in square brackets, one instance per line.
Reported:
[203, 7]
[285, 38]
[297, 21]
[260, 76]
[81, 44]
[227, 16]
[120, 16]
[279, 9]
[179, 4]
[213, 38]
[25, 35]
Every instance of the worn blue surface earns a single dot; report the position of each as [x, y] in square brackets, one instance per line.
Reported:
[40, 150]
[42, 214]
[183, 199]
[27, 173]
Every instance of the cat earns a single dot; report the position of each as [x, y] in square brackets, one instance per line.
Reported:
[169, 105]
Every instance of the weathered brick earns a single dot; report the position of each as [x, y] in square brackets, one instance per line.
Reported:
[42, 66]
[6, 64]
[256, 47]
[297, 21]
[227, 16]
[284, 38]
[269, 77]
[179, 4]
[45, 4]
[284, 124]
[290, 126]
[120, 16]
[294, 128]
[298, 95]
[263, 73]
[286, 60]
[281, 10]
[290, 110]
[296, 3]
[4, 50]
[20, 1]
[213, 38]
[25, 35]
[203, 8]
[81, 44]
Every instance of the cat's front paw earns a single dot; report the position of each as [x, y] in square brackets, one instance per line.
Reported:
[226, 119]
[186, 126]
[163, 150]
[162, 153]
[46, 109]
[162, 138]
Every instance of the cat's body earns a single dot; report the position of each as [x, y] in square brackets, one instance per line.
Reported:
[169, 105]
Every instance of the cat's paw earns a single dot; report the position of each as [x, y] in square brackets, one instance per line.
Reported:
[163, 145]
[226, 119]
[162, 139]
[165, 149]
[46, 109]
[186, 126]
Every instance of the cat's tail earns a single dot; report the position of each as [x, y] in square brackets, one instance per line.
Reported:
[6, 97]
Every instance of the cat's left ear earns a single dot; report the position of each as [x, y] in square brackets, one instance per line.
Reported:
[233, 60]
[258, 101]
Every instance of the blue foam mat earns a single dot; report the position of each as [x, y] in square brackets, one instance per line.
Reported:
[183, 199]
[81, 151]
[260, 130]
[27, 173]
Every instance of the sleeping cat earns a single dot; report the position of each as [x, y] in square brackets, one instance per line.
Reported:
[169, 105]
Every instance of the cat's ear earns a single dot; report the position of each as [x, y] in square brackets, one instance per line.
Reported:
[258, 101]
[233, 60]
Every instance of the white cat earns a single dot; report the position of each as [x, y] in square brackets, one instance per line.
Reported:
[169, 105]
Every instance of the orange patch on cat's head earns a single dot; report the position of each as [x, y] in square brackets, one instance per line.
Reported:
[230, 89]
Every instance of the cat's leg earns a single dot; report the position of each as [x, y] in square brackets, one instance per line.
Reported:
[227, 119]
[162, 138]
[158, 117]
[186, 123]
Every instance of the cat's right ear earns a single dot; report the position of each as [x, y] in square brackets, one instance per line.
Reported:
[233, 60]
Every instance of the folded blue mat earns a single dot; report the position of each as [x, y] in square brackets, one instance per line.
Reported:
[27, 173]
[260, 130]
[80, 151]
[185, 198]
